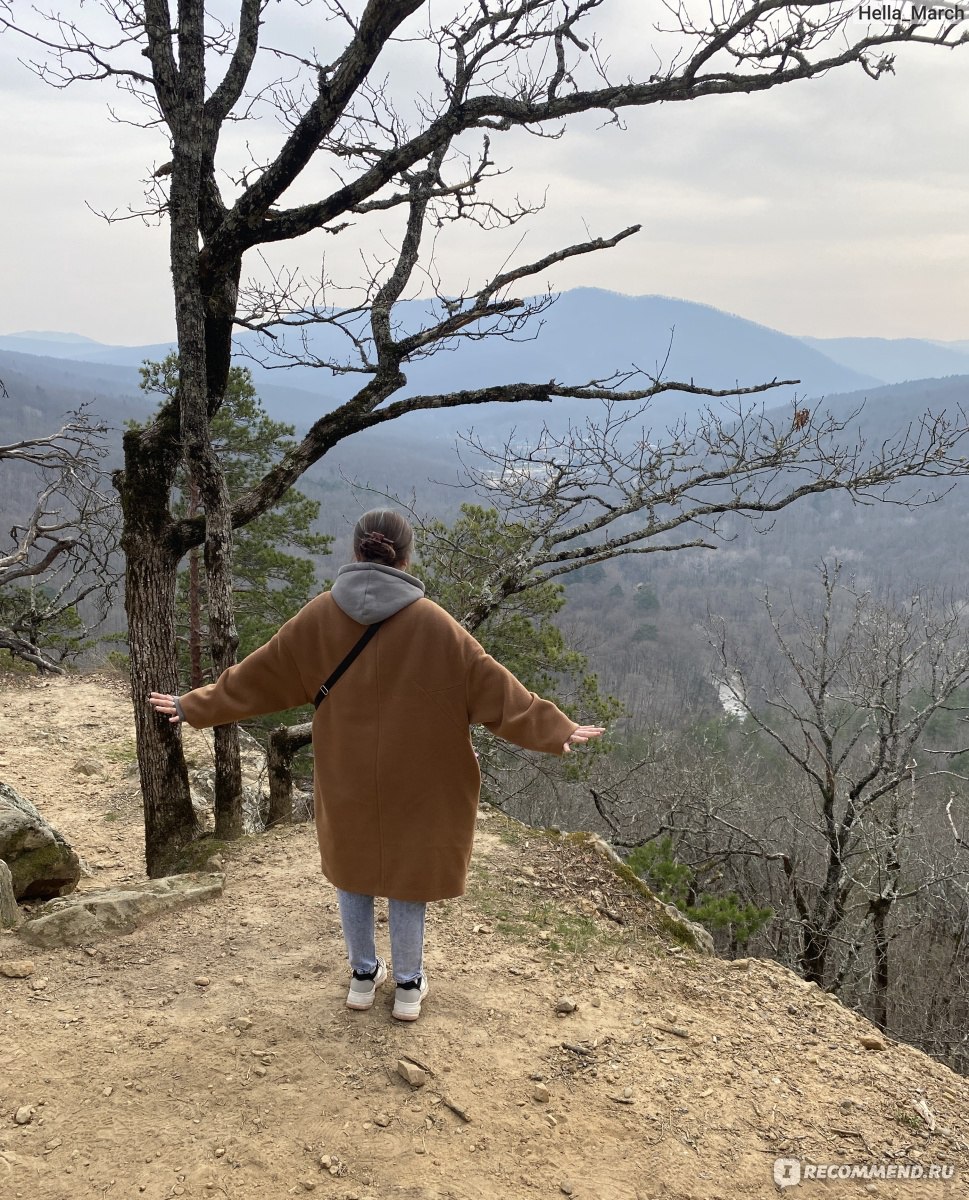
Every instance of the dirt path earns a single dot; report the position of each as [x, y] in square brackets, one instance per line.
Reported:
[675, 1077]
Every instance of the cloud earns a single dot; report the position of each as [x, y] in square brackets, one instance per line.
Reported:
[831, 207]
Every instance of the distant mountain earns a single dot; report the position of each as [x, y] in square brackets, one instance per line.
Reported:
[587, 334]
[34, 335]
[895, 360]
[113, 390]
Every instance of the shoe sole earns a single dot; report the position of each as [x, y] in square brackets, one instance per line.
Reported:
[409, 1011]
[362, 1005]
[400, 1015]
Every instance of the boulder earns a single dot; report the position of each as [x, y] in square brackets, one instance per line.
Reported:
[9, 912]
[41, 862]
[88, 917]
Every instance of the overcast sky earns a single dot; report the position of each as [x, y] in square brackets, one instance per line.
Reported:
[838, 207]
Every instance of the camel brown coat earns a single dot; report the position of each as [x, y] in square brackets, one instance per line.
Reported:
[396, 779]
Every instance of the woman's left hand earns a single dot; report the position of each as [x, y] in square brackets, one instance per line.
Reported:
[583, 734]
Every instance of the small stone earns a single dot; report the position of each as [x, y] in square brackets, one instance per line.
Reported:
[39, 985]
[54, 1143]
[88, 766]
[873, 1043]
[566, 1005]
[308, 1185]
[23, 1115]
[241, 1022]
[107, 1091]
[565, 1187]
[219, 1151]
[238, 980]
[325, 1162]
[201, 981]
[412, 1073]
[17, 968]
[260, 1071]
[541, 1093]
[382, 1120]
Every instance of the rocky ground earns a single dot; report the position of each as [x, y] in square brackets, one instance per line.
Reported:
[209, 1053]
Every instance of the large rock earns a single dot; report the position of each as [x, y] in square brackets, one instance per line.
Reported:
[41, 862]
[9, 912]
[78, 920]
[671, 920]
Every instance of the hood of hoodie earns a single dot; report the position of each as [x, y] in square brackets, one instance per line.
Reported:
[370, 592]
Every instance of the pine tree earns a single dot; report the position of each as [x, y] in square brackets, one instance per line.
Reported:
[273, 571]
[455, 563]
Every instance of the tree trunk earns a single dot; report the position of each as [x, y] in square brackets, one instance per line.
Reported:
[151, 458]
[196, 678]
[220, 304]
[196, 404]
[814, 956]
[878, 1013]
[284, 741]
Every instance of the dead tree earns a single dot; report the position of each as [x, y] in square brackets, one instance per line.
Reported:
[59, 553]
[410, 162]
[858, 683]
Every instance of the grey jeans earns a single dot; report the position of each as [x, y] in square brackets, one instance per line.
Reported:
[406, 919]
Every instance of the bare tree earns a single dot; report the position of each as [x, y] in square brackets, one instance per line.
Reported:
[613, 487]
[424, 158]
[858, 685]
[59, 553]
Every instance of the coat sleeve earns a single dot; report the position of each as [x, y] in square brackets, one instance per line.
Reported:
[507, 708]
[267, 680]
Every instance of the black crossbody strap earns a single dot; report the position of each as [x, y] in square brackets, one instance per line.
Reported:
[325, 688]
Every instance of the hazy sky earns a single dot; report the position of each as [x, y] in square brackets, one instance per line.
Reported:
[833, 208]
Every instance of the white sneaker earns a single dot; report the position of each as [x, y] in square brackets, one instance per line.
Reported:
[363, 989]
[408, 1000]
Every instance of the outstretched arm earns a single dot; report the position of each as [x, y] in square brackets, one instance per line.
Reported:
[266, 681]
[497, 700]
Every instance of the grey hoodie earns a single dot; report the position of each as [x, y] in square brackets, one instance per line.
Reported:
[370, 592]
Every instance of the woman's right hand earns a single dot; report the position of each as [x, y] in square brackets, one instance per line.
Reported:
[165, 705]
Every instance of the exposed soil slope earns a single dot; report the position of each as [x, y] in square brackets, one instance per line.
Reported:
[675, 1077]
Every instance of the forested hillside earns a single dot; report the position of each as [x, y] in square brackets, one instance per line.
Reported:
[642, 619]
